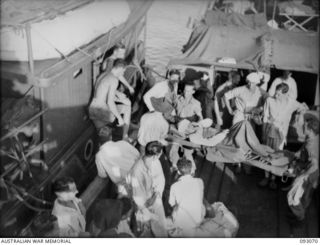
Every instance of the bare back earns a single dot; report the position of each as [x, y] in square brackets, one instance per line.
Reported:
[103, 89]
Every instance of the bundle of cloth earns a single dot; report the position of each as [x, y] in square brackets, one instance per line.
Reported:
[219, 223]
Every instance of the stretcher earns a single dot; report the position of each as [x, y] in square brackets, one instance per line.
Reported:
[277, 166]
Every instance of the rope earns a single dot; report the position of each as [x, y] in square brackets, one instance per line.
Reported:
[29, 89]
[152, 70]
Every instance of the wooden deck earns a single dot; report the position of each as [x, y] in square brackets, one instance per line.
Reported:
[261, 212]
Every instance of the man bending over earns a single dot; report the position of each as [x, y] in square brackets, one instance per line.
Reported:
[109, 104]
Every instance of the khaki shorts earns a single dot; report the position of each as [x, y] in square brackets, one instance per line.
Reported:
[104, 117]
[100, 116]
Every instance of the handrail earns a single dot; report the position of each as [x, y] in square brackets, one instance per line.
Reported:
[16, 130]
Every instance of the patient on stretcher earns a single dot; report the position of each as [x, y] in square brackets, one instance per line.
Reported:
[199, 133]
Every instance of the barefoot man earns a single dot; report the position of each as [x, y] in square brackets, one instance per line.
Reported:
[109, 104]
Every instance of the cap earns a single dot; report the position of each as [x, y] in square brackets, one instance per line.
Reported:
[253, 78]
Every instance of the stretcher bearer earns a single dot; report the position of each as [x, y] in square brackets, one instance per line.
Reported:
[287, 79]
[224, 119]
[146, 184]
[249, 100]
[307, 167]
[167, 89]
[190, 109]
[277, 113]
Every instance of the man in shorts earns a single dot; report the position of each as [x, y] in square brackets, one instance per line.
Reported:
[108, 104]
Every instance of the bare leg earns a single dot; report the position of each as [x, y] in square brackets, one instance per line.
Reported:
[125, 110]
[126, 118]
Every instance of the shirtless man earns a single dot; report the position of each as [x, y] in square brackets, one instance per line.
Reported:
[103, 109]
[119, 51]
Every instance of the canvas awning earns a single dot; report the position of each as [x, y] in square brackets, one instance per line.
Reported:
[248, 39]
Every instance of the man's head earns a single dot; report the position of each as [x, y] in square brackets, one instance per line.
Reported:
[311, 127]
[119, 67]
[188, 89]
[119, 51]
[153, 149]
[65, 188]
[281, 89]
[234, 77]
[197, 84]
[253, 79]
[174, 76]
[184, 166]
[286, 74]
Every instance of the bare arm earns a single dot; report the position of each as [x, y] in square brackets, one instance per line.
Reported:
[111, 102]
[294, 92]
[266, 111]
[217, 112]
[125, 83]
[272, 89]
[153, 92]
[227, 102]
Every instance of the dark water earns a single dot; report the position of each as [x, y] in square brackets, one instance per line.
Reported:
[167, 29]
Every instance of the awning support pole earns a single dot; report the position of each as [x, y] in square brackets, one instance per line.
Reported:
[145, 36]
[39, 92]
[30, 52]
[274, 9]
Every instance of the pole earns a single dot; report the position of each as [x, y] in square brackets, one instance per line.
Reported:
[29, 46]
[274, 9]
[145, 37]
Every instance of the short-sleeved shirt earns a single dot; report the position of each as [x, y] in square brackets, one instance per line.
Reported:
[248, 98]
[160, 90]
[188, 108]
[187, 194]
[279, 113]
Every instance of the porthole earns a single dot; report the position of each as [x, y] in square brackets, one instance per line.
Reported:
[88, 150]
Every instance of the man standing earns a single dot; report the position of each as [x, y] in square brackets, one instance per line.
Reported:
[166, 89]
[220, 109]
[287, 79]
[68, 209]
[276, 118]
[187, 106]
[146, 183]
[307, 166]
[249, 98]
[102, 113]
[186, 197]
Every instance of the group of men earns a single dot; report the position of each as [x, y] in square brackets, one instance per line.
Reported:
[162, 182]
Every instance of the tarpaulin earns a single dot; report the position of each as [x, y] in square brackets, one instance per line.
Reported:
[240, 140]
[249, 39]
